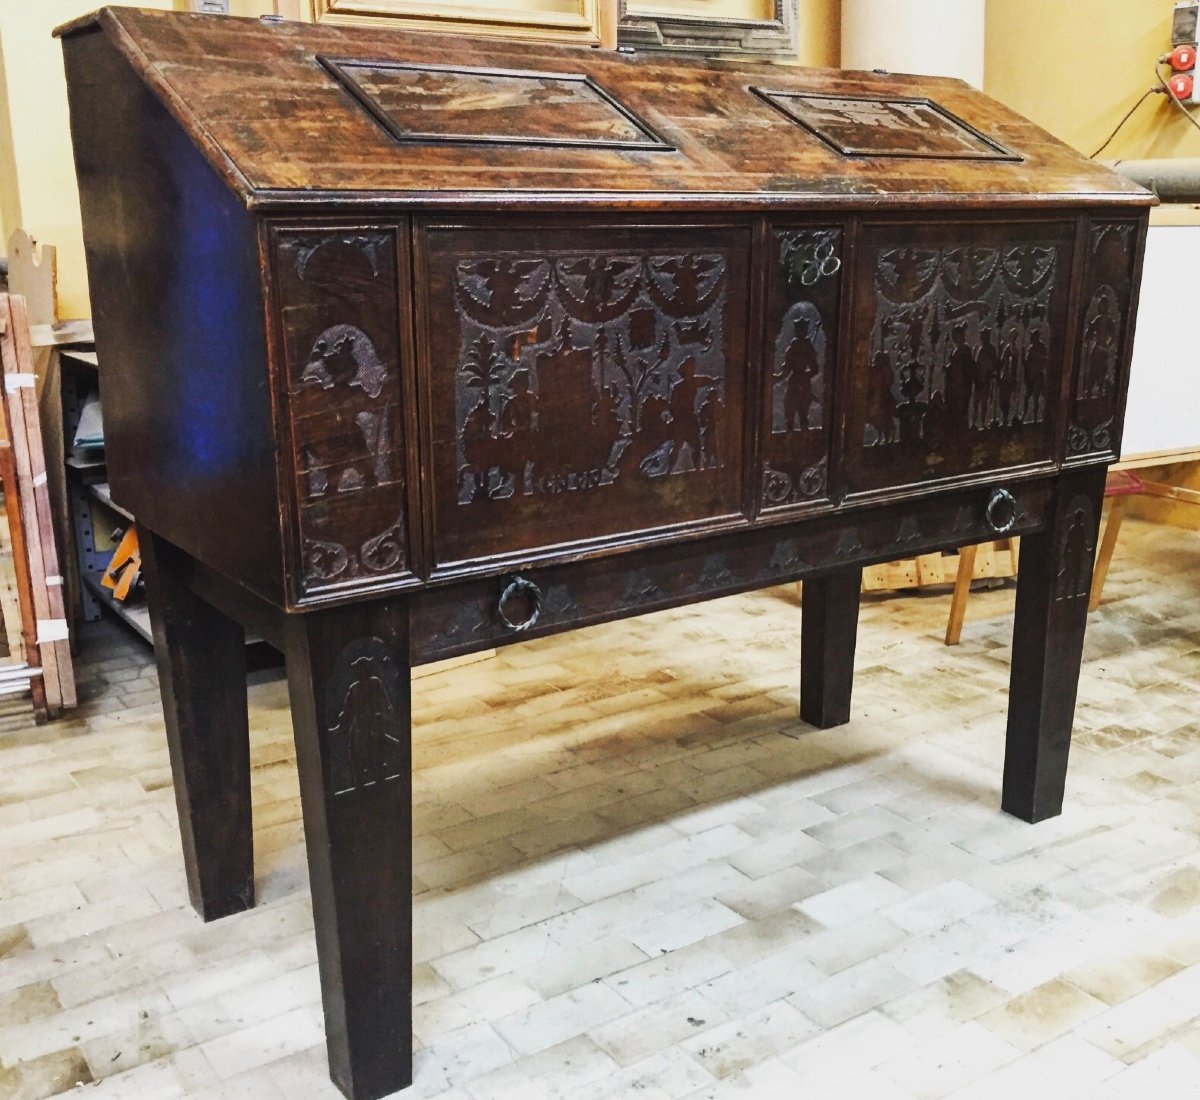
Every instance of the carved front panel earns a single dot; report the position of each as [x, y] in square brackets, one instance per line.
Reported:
[340, 311]
[1102, 357]
[959, 336]
[804, 291]
[582, 383]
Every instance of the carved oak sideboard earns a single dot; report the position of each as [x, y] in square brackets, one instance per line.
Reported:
[415, 345]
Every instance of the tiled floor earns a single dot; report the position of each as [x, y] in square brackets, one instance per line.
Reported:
[638, 875]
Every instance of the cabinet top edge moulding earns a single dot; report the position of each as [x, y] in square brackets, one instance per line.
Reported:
[575, 21]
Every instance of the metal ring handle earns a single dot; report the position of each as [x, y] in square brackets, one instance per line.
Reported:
[518, 587]
[1001, 511]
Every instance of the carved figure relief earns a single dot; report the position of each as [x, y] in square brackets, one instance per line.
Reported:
[886, 127]
[961, 340]
[344, 401]
[1102, 342]
[365, 717]
[577, 371]
[796, 463]
[1076, 545]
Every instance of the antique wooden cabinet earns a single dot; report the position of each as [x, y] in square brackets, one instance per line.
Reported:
[415, 345]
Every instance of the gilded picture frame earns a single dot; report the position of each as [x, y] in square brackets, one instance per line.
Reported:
[642, 28]
[576, 21]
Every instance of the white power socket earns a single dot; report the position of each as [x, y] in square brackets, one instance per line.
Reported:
[209, 7]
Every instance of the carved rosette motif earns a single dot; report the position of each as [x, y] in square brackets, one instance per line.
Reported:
[1076, 547]
[1101, 356]
[804, 304]
[961, 341]
[579, 370]
[365, 718]
[343, 376]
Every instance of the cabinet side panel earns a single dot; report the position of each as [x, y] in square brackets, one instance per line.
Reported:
[177, 302]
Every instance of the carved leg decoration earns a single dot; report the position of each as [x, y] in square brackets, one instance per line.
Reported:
[828, 632]
[201, 657]
[1054, 579]
[348, 676]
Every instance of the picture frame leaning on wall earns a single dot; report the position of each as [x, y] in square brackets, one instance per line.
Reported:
[761, 28]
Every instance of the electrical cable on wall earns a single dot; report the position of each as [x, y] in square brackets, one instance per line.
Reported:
[1128, 115]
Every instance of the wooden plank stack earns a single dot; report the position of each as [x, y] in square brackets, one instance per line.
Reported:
[31, 525]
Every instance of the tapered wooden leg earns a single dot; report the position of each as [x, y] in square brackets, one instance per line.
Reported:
[962, 590]
[1116, 515]
[828, 632]
[1053, 582]
[201, 656]
[348, 676]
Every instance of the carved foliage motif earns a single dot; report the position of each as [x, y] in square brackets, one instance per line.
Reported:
[579, 370]
[366, 717]
[1098, 372]
[803, 327]
[340, 312]
[1076, 546]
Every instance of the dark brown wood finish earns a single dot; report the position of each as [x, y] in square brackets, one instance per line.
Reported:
[800, 355]
[348, 677]
[201, 657]
[479, 341]
[590, 382]
[829, 630]
[1052, 602]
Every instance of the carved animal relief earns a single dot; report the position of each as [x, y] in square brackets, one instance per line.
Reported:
[343, 380]
[577, 371]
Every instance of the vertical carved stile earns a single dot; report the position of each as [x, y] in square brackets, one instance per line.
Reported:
[1101, 350]
[340, 308]
[804, 291]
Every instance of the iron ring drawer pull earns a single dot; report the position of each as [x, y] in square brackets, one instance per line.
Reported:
[1001, 511]
[518, 592]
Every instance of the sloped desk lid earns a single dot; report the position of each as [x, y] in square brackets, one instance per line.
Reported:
[290, 112]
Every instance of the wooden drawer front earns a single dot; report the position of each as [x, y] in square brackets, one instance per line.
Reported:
[471, 614]
[1102, 361]
[960, 331]
[340, 309]
[801, 342]
[581, 383]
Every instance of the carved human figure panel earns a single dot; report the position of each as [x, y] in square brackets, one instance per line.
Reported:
[343, 381]
[961, 338]
[1101, 350]
[1075, 551]
[365, 717]
[803, 295]
[589, 371]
